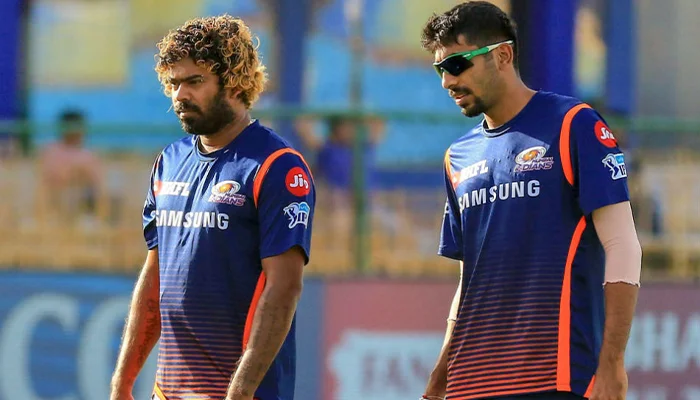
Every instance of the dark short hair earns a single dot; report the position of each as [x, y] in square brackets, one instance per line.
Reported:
[71, 121]
[73, 116]
[480, 22]
[336, 121]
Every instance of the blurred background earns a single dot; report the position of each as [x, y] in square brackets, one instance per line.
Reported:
[82, 117]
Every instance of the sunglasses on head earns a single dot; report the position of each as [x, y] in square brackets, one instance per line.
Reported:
[457, 63]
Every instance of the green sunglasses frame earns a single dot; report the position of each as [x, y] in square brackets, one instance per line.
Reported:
[468, 55]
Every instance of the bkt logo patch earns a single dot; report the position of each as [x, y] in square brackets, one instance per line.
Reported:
[469, 172]
[616, 165]
[165, 188]
[298, 214]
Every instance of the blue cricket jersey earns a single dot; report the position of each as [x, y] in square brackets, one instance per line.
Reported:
[213, 218]
[518, 214]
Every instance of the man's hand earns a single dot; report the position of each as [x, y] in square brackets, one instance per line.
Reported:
[610, 382]
[437, 382]
[271, 321]
[437, 385]
[623, 256]
[141, 332]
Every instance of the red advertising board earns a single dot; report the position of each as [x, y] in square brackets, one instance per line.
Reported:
[382, 339]
[663, 353]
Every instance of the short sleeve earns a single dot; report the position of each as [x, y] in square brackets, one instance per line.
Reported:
[451, 233]
[150, 232]
[599, 164]
[286, 203]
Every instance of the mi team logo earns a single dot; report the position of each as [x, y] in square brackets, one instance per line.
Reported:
[616, 165]
[298, 214]
[226, 192]
[533, 159]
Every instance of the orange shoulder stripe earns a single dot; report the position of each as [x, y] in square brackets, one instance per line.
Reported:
[565, 142]
[265, 168]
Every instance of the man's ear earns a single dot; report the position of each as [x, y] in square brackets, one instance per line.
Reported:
[233, 94]
[505, 55]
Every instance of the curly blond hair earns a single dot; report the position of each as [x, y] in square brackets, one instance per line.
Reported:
[222, 44]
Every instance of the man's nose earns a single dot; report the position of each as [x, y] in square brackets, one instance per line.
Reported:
[181, 94]
[448, 80]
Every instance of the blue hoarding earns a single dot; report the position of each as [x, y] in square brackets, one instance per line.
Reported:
[60, 334]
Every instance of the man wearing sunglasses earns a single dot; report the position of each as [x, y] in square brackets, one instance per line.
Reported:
[538, 215]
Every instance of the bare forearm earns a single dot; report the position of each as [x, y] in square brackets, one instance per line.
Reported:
[141, 332]
[620, 303]
[440, 369]
[271, 324]
[437, 383]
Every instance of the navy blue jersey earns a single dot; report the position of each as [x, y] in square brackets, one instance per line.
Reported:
[518, 214]
[213, 219]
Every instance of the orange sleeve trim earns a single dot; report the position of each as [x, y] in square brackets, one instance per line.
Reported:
[589, 390]
[159, 392]
[448, 170]
[265, 168]
[563, 348]
[448, 167]
[251, 311]
[565, 142]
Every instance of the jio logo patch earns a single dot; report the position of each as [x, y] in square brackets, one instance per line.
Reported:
[297, 182]
[604, 135]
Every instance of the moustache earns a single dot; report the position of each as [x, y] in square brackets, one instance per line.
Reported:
[454, 92]
[182, 107]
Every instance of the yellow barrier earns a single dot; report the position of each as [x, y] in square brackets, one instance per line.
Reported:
[47, 229]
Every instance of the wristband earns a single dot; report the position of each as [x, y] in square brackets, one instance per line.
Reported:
[426, 397]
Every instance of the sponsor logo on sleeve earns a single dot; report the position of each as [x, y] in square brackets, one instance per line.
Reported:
[297, 213]
[616, 165]
[604, 135]
[297, 182]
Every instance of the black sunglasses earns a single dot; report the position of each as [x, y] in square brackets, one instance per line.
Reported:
[457, 63]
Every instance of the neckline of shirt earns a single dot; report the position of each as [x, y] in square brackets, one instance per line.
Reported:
[495, 132]
[215, 154]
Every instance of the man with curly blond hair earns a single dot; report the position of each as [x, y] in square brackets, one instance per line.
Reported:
[227, 222]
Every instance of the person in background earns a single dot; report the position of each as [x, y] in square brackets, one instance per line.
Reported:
[334, 153]
[333, 163]
[71, 175]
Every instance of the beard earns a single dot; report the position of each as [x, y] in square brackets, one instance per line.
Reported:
[208, 122]
[475, 109]
[491, 88]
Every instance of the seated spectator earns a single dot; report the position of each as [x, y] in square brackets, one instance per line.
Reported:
[71, 176]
